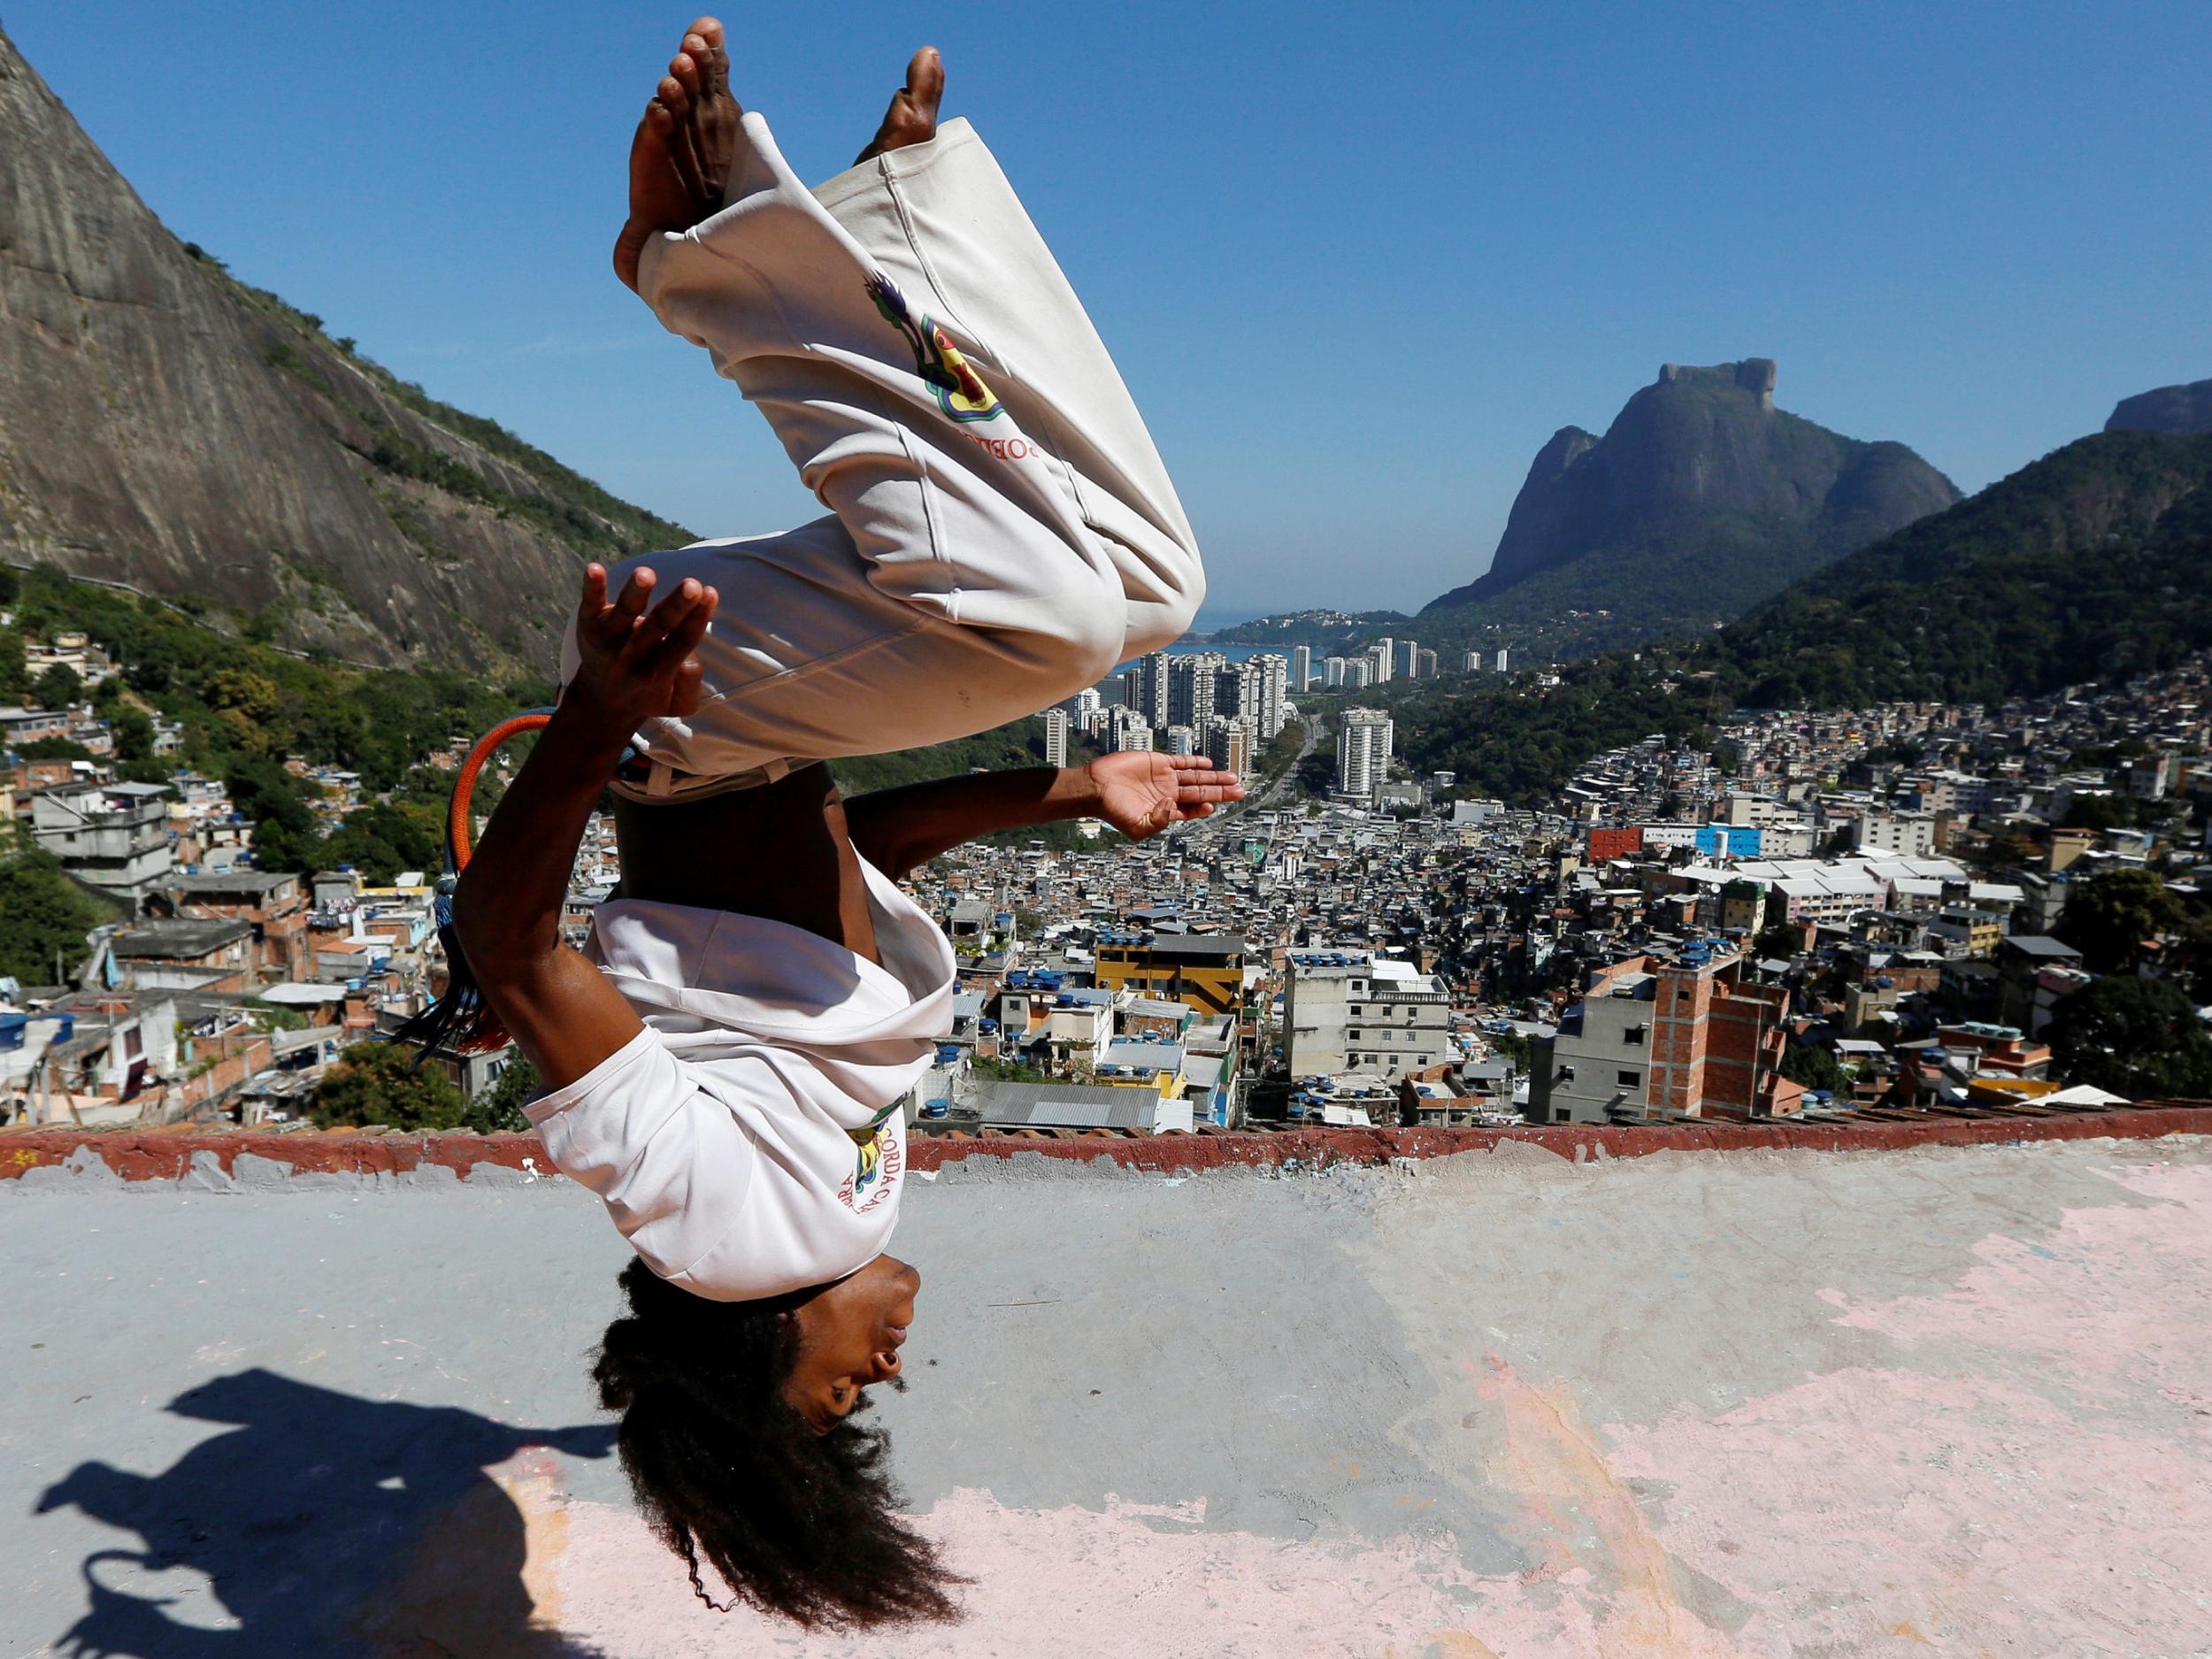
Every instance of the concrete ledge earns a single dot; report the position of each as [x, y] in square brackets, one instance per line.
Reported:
[157, 1155]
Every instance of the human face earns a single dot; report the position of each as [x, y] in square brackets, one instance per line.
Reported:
[849, 1336]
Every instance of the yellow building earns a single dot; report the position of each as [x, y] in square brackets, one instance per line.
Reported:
[1199, 971]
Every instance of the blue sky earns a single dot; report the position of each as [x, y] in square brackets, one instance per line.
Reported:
[1358, 262]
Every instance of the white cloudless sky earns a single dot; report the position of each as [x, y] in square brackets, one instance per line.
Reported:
[1356, 262]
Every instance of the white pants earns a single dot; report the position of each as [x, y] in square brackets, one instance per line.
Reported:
[1001, 530]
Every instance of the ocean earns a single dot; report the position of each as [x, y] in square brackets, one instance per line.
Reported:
[1210, 619]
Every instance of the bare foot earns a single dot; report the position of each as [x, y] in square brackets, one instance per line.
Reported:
[912, 117]
[681, 157]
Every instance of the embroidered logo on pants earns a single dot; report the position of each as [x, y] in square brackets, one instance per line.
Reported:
[875, 1171]
[960, 390]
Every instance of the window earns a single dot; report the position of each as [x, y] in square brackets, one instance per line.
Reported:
[1636, 1035]
[1629, 1079]
[1566, 1075]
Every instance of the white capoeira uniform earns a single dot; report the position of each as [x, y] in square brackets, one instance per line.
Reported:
[1002, 533]
[748, 1141]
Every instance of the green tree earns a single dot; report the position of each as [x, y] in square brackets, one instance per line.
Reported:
[1815, 1066]
[1513, 1046]
[256, 696]
[380, 1083]
[15, 675]
[56, 749]
[498, 1110]
[45, 916]
[1002, 1070]
[284, 835]
[2109, 917]
[2140, 1038]
[1780, 940]
[2099, 812]
[58, 686]
[381, 840]
[134, 733]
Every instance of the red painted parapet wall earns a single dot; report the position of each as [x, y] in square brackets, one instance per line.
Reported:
[168, 1154]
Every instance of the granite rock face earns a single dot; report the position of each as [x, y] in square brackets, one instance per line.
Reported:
[164, 424]
[2177, 411]
[1703, 494]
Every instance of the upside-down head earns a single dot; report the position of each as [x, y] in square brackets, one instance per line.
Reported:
[739, 1438]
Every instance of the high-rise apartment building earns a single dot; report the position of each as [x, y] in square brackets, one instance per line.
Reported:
[1470, 662]
[1425, 665]
[1262, 692]
[1301, 667]
[1144, 687]
[1334, 670]
[1362, 751]
[1180, 739]
[1406, 659]
[1500, 664]
[1229, 690]
[1383, 654]
[1132, 731]
[1190, 687]
[1229, 744]
[1056, 726]
[1359, 672]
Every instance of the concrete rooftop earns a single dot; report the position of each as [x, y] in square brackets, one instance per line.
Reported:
[1756, 1403]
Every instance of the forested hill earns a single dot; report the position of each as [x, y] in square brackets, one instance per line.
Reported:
[2094, 563]
[166, 424]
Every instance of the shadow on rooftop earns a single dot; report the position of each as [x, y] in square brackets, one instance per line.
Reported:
[327, 1524]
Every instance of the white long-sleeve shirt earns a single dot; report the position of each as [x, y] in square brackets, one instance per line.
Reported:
[748, 1142]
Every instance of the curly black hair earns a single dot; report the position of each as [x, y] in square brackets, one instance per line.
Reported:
[800, 1525]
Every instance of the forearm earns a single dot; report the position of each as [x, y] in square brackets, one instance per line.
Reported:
[508, 903]
[897, 830]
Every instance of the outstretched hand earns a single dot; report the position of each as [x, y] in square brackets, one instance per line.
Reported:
[636, 661]
[1141, 792]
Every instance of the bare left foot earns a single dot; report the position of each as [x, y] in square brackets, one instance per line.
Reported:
[681, 157]
[912, 117]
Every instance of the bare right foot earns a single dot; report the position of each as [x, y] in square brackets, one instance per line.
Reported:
[912, 117]
[681, 157]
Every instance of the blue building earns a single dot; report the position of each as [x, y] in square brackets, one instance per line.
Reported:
[1729, 840]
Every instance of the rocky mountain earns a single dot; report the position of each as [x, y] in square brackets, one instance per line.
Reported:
[2173, 410]
[2093, 563]
[1701, 499]
[164, 424]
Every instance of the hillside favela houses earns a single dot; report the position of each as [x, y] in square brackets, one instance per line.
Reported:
[1814, 915]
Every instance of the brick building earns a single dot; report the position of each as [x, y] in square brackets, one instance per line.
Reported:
[272, 903]
[1616, 843]
[1677, 1039]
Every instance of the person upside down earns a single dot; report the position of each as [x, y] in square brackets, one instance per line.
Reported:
[726, 1057]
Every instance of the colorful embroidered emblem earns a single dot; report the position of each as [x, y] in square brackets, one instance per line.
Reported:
[960, 390]
[873, 1141]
